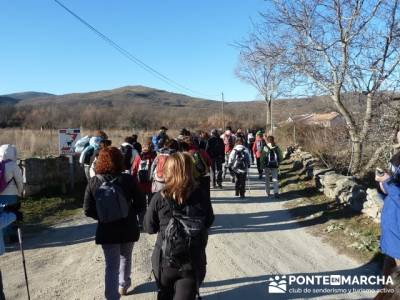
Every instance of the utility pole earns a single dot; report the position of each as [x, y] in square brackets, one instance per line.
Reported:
[223, 113]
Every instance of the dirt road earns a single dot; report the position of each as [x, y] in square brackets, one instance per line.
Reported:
[250, 241]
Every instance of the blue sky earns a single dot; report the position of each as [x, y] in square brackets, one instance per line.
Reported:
[43, 48]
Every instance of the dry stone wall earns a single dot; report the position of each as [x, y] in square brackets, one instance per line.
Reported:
[52, 172]
[344, 189]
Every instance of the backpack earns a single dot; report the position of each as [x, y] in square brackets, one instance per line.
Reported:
[272, 159]
[250, 138]
[143, 174]
[239, 164]
[111, 202]
[260, 145]
[81, 144]
[159, 170]
[3, 182]
[182, 234]
[200, 165]
[126, 151]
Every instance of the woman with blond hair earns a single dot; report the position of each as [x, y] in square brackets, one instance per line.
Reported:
[117, 228]
[179, 256]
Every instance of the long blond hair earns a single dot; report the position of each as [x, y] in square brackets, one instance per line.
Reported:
[178, 176]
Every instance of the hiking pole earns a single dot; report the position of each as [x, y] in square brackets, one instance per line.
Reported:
[23, 261]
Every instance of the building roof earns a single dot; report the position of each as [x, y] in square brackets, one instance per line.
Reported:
[324, 117]
[299, 118]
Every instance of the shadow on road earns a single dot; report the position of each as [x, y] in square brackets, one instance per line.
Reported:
[59, 237]
[257, 287]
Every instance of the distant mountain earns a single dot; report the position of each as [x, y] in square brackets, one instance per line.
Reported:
[144, 107]
[27, 95]
[8, 100]
[139, 95]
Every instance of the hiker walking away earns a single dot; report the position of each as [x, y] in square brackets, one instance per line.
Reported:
[250, 141]
[91, 148]
[229, 143]
[129, 153]
[8, 215]
[160, 139]
[203, 139]
[157, 167]
[179, 256]
[114, 200]
[271, 157]
[136, 144]
[240, 135]
[103, 144]
[11, 184]
[390, 235]
[216, 150]
[258, 146]
[141, 172]
[239, 162]
[202, 164]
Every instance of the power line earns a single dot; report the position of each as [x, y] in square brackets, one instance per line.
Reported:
[131, 57]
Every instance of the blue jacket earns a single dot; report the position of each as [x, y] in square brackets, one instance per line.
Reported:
[390, 220]
[5, 220]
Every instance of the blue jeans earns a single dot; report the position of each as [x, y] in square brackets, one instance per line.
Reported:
[118, 259]
[10, 229]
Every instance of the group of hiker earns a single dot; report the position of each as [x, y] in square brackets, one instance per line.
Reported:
[162, 187]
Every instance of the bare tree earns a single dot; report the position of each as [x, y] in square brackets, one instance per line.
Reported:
[262, 69]
[338, 47]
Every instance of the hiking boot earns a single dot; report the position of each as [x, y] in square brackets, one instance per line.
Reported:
[242, 195]
[220, 185]
[259, 176]
[123, 291]
[233, 179]
[214, 186]
[236, 193]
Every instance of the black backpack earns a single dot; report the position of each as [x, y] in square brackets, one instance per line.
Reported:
[239, 164]
[126, 151]
[182, 235]
[272, 158]
[111, 202]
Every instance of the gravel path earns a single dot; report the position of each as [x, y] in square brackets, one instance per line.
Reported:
[250, 241]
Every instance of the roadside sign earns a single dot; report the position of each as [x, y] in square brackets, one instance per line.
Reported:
[67, 139]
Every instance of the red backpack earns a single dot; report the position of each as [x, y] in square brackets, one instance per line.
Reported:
[159, 170]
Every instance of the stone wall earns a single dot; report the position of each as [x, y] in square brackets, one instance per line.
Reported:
[344, 189]
[53, 172]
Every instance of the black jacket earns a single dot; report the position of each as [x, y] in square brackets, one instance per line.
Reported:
[215, 147]
[121, 231]
[158, 215]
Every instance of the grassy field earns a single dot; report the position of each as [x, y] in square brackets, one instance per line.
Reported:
[50, 208]
[40, 143]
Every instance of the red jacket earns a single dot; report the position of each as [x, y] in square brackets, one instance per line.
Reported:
[145, 187]
[203, 153]
[258, 153]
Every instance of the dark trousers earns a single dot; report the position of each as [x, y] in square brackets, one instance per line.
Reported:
[216, 171]
[251, 152]
[204, 184]
[240, 185]
[2, 297]
[260, 170]
[176, 285]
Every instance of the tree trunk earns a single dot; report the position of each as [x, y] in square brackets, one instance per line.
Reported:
[268, 118]
[357, 155]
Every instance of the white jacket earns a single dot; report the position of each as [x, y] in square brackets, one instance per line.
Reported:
[232, 156]
[13, 172]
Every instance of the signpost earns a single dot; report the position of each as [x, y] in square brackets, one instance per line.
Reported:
[66, 141]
